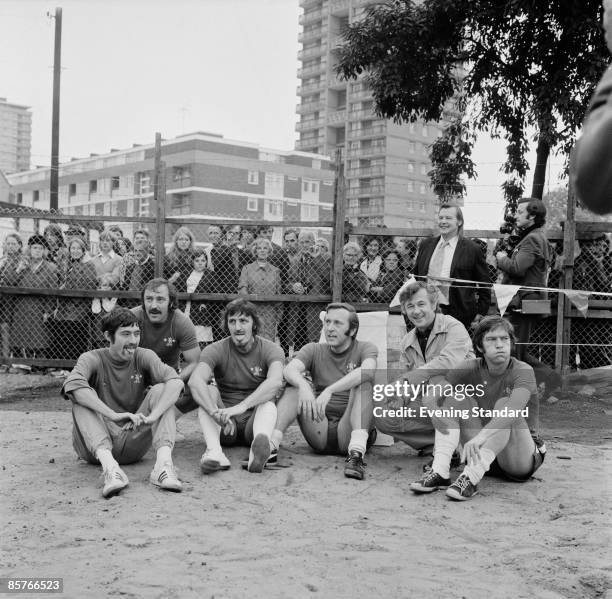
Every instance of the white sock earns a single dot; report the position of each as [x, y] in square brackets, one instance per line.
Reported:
[211, 431]
[476, 471]
[275, 439]
[106, 459]
[164, 455]
[359, 441]
[444, 446]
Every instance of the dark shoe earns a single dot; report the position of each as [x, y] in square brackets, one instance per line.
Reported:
[462, 489]
[355, 466]
[432, 481]
[260, 452]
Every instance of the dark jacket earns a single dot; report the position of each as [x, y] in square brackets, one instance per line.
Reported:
[226, 272]
[355, 284]
[528, 265]
[592, 157]
[314, 273]
[390, 282]
[468, 263]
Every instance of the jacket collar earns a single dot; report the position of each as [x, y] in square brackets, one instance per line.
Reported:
[440, 325]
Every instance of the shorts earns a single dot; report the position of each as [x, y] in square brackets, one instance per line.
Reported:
[243, 433]
[331, 446]
[538, 459]
[185, 402]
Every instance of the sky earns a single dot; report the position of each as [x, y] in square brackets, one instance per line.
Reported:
[134, 67]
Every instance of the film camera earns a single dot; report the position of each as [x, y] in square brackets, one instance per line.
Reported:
[511, 235]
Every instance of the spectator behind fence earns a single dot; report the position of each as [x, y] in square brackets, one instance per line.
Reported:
[290, 241]
[108, 270]
[57, 252]
[12, 264]
[592, 272]
[323, 247]
[28, 332]
[263, 278]
[123, 246]
[372, 262]
[200, 280]
[140, 239]
[528, 265]
[247, 237]
[407, 250]
[308, 275]
[72, 317]
[178, 263]
[355, 283]
[224, 262]
[139, 272]
[278, 257]
[390, 280]
[451, 255]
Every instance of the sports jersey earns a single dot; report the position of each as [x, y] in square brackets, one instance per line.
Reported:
[167, 339]
[238, 374]
[518, 375]
[120, 385]
[327, 367]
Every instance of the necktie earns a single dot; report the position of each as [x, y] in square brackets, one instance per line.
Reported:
[435, 270]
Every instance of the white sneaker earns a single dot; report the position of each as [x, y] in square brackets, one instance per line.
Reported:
[114, 481]
[164, 477]
[213, 461]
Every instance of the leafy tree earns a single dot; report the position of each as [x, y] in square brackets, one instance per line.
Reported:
[507, 68]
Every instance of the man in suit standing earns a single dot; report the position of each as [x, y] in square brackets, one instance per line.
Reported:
[450, 255]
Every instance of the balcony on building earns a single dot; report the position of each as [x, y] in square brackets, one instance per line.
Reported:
[306, 124]
[366, 171]
[307, 107]
[377, 149]
[317, 50]
[316, 69]
[374, 131]
[310, 88]
[357, 115]
[310, 16]
[312, 33]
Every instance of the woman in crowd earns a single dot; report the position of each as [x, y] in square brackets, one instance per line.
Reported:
[391, 279]
[262, 278]
[199, 281]
[407, 251]
[108, 271]
[12, 263]
[372, 263]
[122, 246]
[72, 318]
[355, 284]
[178, 263]
[57, 252]
[31, 312]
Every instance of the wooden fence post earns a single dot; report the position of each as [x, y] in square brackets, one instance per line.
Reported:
[159, 196]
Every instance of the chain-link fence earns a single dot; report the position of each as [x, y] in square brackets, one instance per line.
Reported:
[60, 274]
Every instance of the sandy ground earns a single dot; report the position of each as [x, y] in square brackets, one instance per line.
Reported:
[304, 530]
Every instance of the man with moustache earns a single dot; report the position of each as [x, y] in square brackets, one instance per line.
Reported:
[240, 409]
[169, 333]
[122, 398]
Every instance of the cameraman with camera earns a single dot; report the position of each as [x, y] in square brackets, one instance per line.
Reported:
[528, 265]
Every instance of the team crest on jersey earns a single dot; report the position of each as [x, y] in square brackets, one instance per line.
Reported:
[169, 341]
[256, 370]
[136, 378]
[350, 366]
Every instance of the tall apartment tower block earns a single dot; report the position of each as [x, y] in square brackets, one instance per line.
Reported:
[386, 164]
[15, 137]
